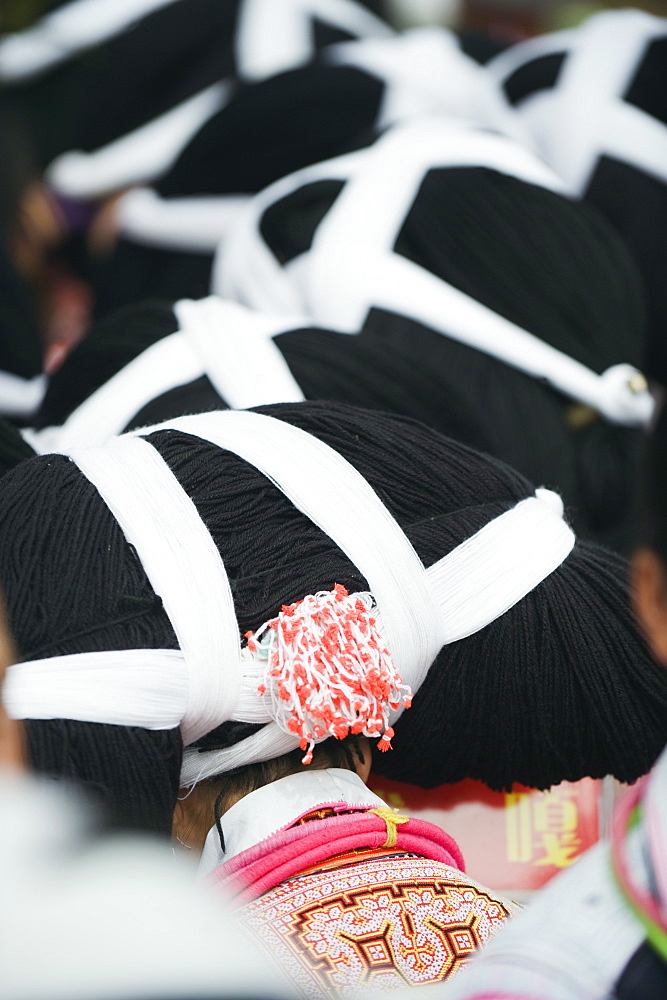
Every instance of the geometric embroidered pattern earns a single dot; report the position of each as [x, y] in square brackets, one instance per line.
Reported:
[376, 920]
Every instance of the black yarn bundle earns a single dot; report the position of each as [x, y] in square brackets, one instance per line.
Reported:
[555, 269]
[621, 151]
[559, 687]
[552, 266]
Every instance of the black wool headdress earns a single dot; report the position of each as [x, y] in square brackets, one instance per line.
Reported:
[270, 128]
[179, 59]
[134, 569]
[459, 248]
[593, 103]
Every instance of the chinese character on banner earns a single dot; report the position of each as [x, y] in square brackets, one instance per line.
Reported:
[512, 842]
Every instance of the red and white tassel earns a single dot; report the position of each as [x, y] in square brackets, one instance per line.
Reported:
[328, 671]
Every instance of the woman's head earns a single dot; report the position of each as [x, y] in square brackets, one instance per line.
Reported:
[495, 700]
[199, 807]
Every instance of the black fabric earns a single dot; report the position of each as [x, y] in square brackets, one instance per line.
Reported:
[197, 396]
[647, 90]
[481, 47]
[538, 74]
[493, 705]
[111, 344]
[13, 449]
[20, 348]
[166, 57]
[135, 271]
[635, 203]
[288, 233]
[516, 247]
[328, 34]
[274, 127]
[644, 977]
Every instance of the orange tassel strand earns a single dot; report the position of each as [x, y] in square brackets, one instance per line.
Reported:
[328, 671]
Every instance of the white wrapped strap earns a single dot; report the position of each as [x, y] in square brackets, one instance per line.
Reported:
[425, 71]
[164, 365]
[132, 687]
[64, 32]
[140, 156]
[399, 285]
[238, 353]
[473, 585]
[273, 37]
[20, 397]
[183, 566]
[352, 268]
[497, 567]
[195, 224]
[420, 610]
[584, 115]
[591, 117]
[244, 269]
[231, 345]
[337, 498]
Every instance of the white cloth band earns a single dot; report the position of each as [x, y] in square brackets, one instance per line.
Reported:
[583, 116]
[424, 71]
[421, 610]
[352, 268]
[238, 352]
[273, 37]
[68, 30]
[195, 224]
[183, 566]
[139, 156]
[231, 345]
[20, 397]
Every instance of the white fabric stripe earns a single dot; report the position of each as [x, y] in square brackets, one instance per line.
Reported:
[244, 268]
[184, 568]
[20, 397]
[238, 353]
[379, 195]
[351, 266]
[66, 31]
[597, 75]
[129, 687]
[168, 363]
[195, 224]
[485, 576]
[330, 491]
[474, 584]
[399, 285]
[140, 156]
[272, 37]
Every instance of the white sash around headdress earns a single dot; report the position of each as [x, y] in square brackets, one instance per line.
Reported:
[210, 680]
[352, 266]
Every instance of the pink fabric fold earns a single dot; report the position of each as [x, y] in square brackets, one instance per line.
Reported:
[287, 853]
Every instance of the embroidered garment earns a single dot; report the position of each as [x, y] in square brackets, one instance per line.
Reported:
[599, 929]
[394, 910]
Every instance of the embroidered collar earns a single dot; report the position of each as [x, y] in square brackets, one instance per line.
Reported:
[277, 806]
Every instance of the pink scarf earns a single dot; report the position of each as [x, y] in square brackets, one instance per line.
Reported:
[287, 853]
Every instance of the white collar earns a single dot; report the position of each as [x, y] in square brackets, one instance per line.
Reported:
[278, 805]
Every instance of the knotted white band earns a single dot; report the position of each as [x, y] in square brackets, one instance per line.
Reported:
[352, 268]
[231, 345]
[210, 680]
